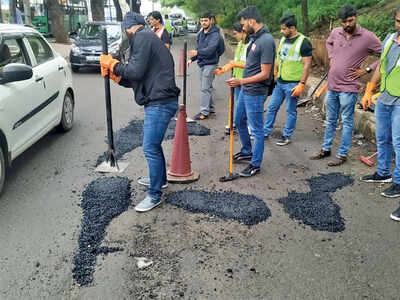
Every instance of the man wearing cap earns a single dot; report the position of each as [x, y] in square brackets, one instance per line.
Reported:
[348, 46]
[150, 72]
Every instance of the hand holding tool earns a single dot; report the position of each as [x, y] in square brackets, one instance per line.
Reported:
[369, 92]
[298, 89]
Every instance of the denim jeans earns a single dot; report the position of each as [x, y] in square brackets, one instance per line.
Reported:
[156, 120]
[251, 109]
[387, 138]
[206, 77]
[344, 103]
[282, 91]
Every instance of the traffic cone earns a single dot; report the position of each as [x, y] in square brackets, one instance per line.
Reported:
[181, 62]
[180, 170]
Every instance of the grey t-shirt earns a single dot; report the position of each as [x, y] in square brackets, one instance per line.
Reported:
[392, 58]
[261, 50]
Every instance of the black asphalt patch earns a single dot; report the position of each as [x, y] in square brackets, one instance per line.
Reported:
[130, 137]
[103, 200]
[246, 209]
[316, 208]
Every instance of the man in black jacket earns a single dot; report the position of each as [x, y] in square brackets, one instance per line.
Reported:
[208, 41]
[150, 72]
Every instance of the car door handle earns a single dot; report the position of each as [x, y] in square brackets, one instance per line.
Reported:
[38, 79]
[60, 68]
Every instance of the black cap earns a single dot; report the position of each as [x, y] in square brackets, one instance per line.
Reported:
[132, 19]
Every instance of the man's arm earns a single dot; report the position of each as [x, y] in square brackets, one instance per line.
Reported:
[262, 76]
[137, 65]
[329, 45]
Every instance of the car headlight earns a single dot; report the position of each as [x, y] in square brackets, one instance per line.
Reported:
[75, 49]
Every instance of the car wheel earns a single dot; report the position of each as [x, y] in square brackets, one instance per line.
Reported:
[2, 169]
[67, 115]
[74, 69]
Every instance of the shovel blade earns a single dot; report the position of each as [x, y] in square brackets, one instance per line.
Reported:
[230, 177]
[106, 167]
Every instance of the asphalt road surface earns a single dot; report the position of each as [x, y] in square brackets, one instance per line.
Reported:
[193, 255]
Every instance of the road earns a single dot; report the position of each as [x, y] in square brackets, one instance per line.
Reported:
[194, 256]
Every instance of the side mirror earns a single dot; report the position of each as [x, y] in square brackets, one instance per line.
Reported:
[15, 72]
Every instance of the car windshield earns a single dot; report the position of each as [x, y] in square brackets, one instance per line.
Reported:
[191, 23]
[178, 23]
[93, 31]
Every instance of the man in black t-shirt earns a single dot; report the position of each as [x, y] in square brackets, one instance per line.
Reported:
[292, 67]
[156, 21]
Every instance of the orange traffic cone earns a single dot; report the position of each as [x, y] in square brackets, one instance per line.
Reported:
[180, 170]
[181, 62]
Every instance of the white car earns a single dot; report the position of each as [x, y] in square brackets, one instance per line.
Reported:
[36, 92]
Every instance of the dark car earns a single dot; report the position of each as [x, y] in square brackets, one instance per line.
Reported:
[87, 47]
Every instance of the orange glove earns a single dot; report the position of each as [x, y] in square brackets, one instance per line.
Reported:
[224, 69]
[237, 64]
[297, 90]
[321, 91]
[107, 62]
[369, 92]
[115, 78]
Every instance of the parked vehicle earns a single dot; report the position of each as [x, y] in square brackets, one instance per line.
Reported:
[36, 92]
[87, 48]
[178, 28]
[193, 26]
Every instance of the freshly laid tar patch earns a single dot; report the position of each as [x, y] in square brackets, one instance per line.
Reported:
[317, 208]
[103, 200]
[131, 137]
[246, 209]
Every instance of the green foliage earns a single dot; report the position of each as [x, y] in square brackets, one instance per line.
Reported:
[381, 24]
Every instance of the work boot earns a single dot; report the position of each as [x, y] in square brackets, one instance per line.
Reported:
[376, 178]
[340, 160]
[321, 154]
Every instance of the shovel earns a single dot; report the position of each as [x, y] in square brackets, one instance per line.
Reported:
[231, 176]
[305, 100]
[110, 165]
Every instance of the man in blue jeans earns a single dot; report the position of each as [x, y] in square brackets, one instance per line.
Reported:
[293, 63]
[150, 72]
[348, 46]
[387, 114]
[256, 82]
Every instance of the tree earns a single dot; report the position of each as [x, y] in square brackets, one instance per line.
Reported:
[97, 7]
[306, 21]
[56, 17]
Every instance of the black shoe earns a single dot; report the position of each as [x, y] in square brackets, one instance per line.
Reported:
[376, 178]
[200, 117]
[284, 140]
[321, 154]
[392, 192]
[239, 157]
[250, 171]
[396, 215]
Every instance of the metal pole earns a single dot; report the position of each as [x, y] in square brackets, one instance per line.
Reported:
[1, 14]
[184, 71]
[13, 11]
[110, 134]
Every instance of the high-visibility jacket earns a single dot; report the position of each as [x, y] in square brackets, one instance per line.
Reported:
[291, 65]
[240, 56]
[390, 82]
[168, 26]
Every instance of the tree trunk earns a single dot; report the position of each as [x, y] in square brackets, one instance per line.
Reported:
[135, 5]
[118, 10]
[12, 11]
[306, 22]
[27, 11]
[97, 7]
[56, 20]
[1, 14]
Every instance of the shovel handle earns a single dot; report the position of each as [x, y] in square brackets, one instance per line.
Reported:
[231, 112]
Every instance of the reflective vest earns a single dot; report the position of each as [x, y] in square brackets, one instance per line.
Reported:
[290, 65]
[159, 32]
[390, 82]
[240, 55]
[168, 25]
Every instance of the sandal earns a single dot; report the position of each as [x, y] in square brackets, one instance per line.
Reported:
[321, 154]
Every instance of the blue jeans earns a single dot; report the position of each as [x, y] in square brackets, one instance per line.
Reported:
[387, 138]
[251, 109]
[344, 103]
[156, 120]
[282, 91]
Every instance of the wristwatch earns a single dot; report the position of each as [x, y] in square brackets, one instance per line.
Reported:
[368, 69]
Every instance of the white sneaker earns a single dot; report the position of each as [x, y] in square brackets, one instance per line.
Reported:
[146, 182]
